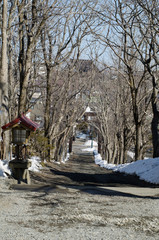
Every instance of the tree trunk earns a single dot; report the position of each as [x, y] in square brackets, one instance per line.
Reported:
[4, 79]
[138, 143]
[70, 144]
[155, 135]
[99, 143]
[155, 123]
[115, 156]
[121, 149]
[48, 103]
[25, 56]
[24, 83]
[155, 119]
[125, 145]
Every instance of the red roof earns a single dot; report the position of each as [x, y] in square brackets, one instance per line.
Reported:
[23, 120]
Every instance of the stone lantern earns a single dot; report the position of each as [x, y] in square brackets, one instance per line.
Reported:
[20, 128]
[18, 135]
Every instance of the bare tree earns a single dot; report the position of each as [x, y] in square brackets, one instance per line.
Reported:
[29, 32]
[148, 29]
[4, 75]
[61, 42]
[114, 120]
[120, 33]
[44, 33]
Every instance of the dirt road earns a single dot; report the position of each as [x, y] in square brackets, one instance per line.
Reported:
[79, 200]
[81, 172]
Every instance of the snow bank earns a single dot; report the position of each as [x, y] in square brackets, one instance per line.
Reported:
[89, 143]
[4, 169]
[147, 169]
[88, 149]
[35, 164]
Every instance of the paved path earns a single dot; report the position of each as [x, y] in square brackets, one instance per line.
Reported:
[108, 181]
[81, 173]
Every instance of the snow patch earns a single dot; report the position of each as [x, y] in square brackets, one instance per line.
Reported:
[147, 169]
[4, 169]
[91, 143]
[66, 158]
[35, 164]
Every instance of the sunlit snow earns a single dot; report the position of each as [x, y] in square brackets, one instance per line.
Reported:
[4, 170]
[35, 166]
[147, 169]
[88, 109]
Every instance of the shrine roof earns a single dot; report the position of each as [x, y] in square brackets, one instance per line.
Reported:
[21, 120]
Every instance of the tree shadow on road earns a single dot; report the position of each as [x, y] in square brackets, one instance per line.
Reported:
[65, 180]
[108, 178]
[110, 192]
[93, 190]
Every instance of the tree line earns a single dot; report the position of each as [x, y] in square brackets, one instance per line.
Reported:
[120, 37]
[131, 34]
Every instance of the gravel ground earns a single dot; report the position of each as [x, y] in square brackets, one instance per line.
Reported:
[78, 201]
[72, 213]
